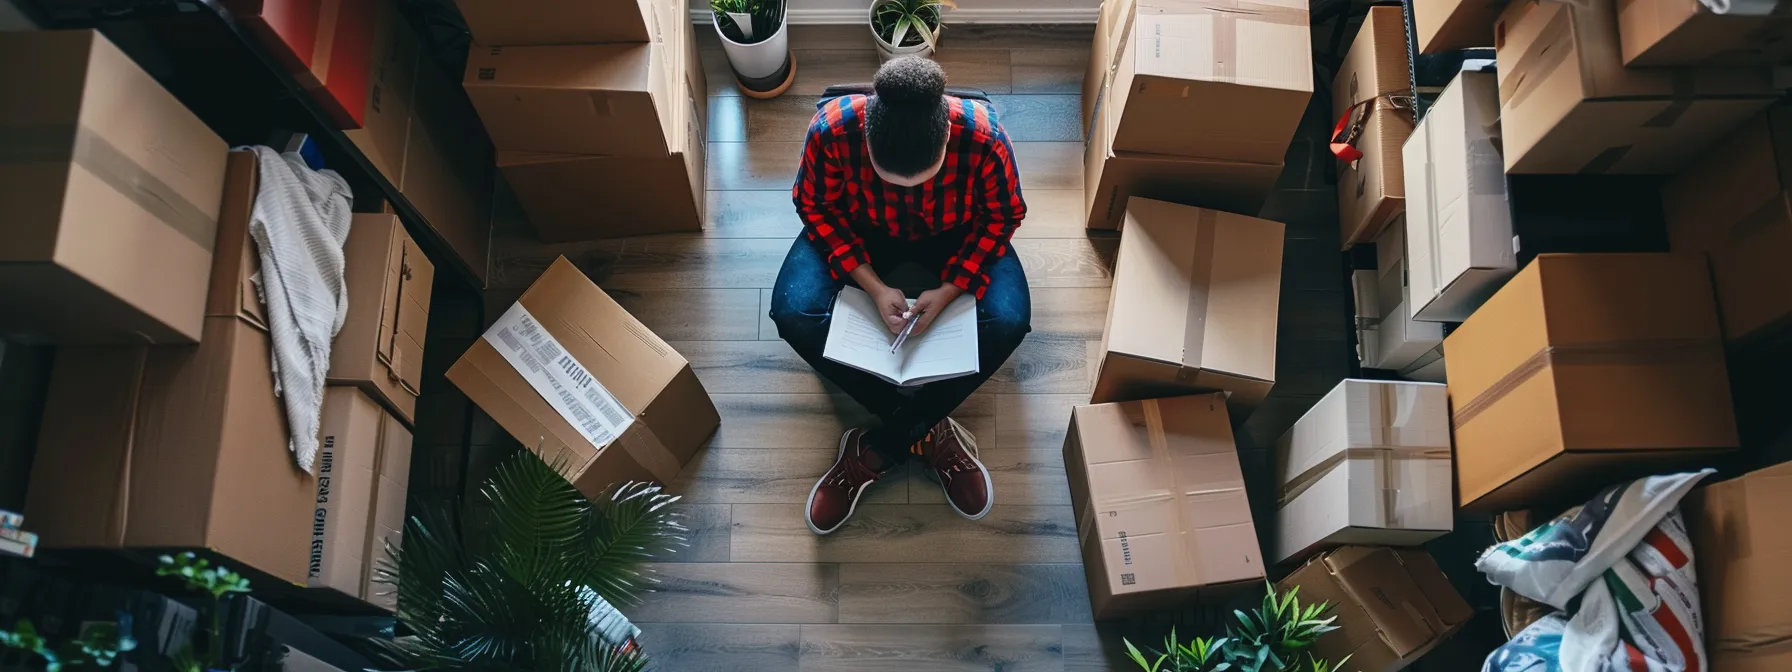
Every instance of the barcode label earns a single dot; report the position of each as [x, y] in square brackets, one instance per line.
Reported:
[561, 380]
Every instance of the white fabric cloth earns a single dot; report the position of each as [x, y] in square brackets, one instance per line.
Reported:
[300, 223]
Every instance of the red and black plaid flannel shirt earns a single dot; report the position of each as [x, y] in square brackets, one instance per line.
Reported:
[976, 194]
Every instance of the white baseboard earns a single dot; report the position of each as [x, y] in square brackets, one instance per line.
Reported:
[1016, 15]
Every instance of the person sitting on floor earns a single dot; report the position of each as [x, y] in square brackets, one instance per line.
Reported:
[905, 175]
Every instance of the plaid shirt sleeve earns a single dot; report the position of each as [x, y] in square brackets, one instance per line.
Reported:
[819, 187]
[997, 212]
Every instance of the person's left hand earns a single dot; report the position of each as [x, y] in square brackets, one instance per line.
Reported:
[932, 302]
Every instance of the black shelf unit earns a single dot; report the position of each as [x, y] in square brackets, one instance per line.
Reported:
[203, 55]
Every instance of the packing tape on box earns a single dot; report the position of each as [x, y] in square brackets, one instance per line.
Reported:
[1159, 19]
[1612, 353]
[1182, 566]
[1194, 331]
[1391, 412]
[80, 145]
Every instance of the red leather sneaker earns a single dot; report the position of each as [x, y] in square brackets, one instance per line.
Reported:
[950, 452]
[836, 494]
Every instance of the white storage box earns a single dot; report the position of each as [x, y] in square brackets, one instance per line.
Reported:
[1458, 226]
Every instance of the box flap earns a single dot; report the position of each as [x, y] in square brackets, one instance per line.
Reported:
[234, 257]
[1743, 545]
[1407, 616]
[404, 319]
[596, 99]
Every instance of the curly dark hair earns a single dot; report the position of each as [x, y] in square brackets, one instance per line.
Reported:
[905, 123]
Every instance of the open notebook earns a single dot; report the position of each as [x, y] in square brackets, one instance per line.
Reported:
[859, 339]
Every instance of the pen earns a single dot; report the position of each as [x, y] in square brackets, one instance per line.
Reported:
[906, 330]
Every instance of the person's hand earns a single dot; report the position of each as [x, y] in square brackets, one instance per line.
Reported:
[892, 305]
[934, 301]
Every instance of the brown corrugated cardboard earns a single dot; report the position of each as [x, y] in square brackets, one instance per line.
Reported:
[1742, 542]
[1193, 307]
[1450, 25]
[380, 346]
[1371, 190]
[1657, 33]
[504, 22]
[1101, 59]
[1160, 504]
[1393, 605]
[448, 169]
[1583, 369]
[112, 192]
[1734, 205]
[601, 99]
[363, 467]
[1211, 79]
[611, 360]
[1568, 104]
[179, 446]
[1111, 179]
[1458, 223]
[1368, 464]
[386, 125]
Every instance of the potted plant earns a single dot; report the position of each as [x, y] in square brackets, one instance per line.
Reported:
[758, 46]
[907, 27]
[1272, 638]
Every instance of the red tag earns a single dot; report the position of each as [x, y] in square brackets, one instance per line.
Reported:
[1348, 129]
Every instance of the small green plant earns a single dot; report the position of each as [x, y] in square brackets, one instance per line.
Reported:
[1271, 638]
[764, 18]
[215, 582]
[906, 23]
[98, 645]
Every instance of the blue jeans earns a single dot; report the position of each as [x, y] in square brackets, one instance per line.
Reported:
[803, 306]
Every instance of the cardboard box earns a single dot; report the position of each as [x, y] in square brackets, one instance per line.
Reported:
[1657, 33]
[504, 23]
[598, 99]
[1193, 307]
[1458, 224]
[1111, 179]
[380, 346]
[1742, 545]
[363, 467]
[1568, 105]
[1368, 464]
[1393, 605]
[1453, 25]
[111, 196]
[1162, 516]
[640, 412]
[1101, 59]
[288, 29]
[1211, 80]
[341, 60]
[1735, 205]
[1372, 190]
[1393, 339]
[391, 82]
[448, 169]
[179, 446]
[1583, 370]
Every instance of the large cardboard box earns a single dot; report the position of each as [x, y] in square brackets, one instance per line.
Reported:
[1735, 205]
[391, 82]
[380, 345]
[1393, 605]
[1193, 307]
[1161, 512]
[574, 377]
[1656, 33]
[363, 469]
[288, 29]
[341, 60]
[1568, 105]
[1583, 370]
[1391, 338]
[597, 99]
[1211, 79]
[1452, 25]
[1101, 59]
[448, 169]
[1742, 542]
[1368, 464]
[179, 446]
[1458, 224]
[506, 23]
[111, 190]
[1372, 190]
[1111, 179]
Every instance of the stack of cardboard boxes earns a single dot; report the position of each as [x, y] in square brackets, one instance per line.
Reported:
[1193, 102]
[598, 116]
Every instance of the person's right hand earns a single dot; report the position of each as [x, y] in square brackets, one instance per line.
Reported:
[892, 305]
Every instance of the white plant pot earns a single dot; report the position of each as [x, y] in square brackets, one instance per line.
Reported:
[759, 60]
[887, 51]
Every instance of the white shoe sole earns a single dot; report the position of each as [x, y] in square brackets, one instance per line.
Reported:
[809, 505]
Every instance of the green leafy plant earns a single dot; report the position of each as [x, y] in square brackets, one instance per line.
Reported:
[98, 645]
[529, 583]
[766, 17]
[199, 575]
[906, 23]
[1274, 637]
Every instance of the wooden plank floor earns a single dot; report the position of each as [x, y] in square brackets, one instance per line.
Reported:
[907, 585]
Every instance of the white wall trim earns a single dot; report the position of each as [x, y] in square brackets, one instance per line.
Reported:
[1015, 15]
